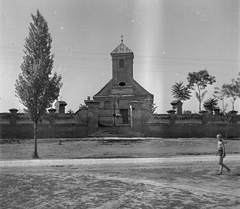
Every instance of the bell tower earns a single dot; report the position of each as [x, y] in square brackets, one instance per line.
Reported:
[122, 66]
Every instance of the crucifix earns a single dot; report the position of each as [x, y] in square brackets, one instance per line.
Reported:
[122, 38]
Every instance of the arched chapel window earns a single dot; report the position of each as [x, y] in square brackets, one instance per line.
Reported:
[121, 63]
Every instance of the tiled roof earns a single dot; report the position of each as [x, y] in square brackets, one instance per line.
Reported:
[121, 49]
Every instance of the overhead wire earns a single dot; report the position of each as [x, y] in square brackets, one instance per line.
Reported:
[69, 55]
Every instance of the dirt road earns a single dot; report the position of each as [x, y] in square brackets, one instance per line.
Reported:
[176, 182]
[234, 158]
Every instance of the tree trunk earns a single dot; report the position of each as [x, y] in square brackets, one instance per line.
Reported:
[200, 100]
[35, 153]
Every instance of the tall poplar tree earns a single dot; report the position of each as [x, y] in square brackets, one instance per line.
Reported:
[37, 87]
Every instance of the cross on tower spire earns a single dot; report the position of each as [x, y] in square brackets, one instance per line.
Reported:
[121, 38]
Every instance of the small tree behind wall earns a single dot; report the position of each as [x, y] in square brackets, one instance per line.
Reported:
[181, 92]
[232, 90]
[210, 104]
[200, 80]
[153, 108]
[219, 94]
[36, 86]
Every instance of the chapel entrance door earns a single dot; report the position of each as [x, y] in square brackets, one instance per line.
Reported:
[124, 113]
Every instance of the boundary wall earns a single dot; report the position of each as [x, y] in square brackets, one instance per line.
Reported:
[86, 122]
[52, 125]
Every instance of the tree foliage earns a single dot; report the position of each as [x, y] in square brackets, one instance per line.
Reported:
[37, 87]
[210, 104]
[200, 80]
[219, 94]
[153, 108]
[179, 91]
[83, 107]
[232, 90]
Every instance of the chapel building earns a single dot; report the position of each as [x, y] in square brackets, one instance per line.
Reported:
[115, 97]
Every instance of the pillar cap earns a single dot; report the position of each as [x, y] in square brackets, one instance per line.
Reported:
[174, 102]
[61, 103]
[52, 110]
[13, 110]
[171, 111]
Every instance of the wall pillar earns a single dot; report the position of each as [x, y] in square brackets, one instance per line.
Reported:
[51, 118]
[204, 114]
[233, 114]
[216, 111]
[13, 122]
[60, 106]
[177, 104]
[171, 116]
[13, 117]
[92, 117]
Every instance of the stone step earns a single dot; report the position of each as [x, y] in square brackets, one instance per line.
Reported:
[116, 131]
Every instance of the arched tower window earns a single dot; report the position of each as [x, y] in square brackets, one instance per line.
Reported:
[121, 63]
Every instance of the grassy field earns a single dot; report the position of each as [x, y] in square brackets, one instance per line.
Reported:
[90, 148]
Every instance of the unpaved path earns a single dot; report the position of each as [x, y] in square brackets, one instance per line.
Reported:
[234, 158]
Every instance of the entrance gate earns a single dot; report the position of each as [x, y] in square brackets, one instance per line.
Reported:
[124, 113]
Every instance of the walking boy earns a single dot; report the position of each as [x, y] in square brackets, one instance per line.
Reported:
[221, 153]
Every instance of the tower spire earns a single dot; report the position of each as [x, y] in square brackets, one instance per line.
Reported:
[121, 38]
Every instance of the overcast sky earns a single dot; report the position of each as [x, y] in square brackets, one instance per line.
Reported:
[169, 38]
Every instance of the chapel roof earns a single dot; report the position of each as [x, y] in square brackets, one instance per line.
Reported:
[122, 48]
[137, 89]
